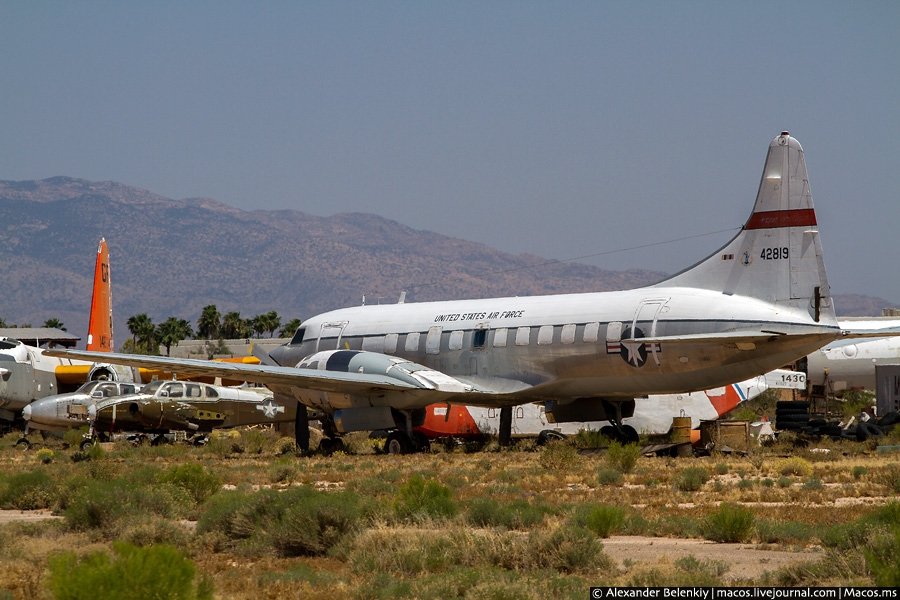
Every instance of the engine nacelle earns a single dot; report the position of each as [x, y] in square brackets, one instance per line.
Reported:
[374, 363]
[368, 413]
[110, 372]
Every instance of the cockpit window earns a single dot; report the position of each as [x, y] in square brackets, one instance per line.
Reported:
[175, 390]
[108, 389]
[87, 388]
[298, 337]
[151, 387]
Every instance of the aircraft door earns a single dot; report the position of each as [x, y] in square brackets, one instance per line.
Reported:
[648, 311]
[478, 355]
[330, 336]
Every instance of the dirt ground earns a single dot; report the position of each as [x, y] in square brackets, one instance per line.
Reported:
[744, 560]
[8, 516]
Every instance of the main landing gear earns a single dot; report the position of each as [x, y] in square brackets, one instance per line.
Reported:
[624, 434]
[405, 440]
[399, 442]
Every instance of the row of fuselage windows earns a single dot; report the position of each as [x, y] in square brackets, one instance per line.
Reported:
[502, 337]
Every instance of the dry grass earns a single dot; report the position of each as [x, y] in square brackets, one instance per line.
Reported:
[821, 491]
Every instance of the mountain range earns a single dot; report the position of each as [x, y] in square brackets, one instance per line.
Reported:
[173, 257]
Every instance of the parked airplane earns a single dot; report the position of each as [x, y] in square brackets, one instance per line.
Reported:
[64, 411]
[161, 406]
[652, 415]
[760, 302]
[158, 407]
[27, 373]
[850, 364]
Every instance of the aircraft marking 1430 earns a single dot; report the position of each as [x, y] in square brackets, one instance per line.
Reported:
[743, 311]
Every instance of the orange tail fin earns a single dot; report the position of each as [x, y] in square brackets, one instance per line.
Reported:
[100, 330]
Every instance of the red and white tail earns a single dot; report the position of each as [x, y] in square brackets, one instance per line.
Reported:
[777, 256]
[100, 330]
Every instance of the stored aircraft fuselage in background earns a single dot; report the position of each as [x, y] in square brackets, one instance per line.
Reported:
[760, 302]
[850, 364]
[652, 415]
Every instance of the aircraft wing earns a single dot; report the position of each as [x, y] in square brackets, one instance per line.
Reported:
[328, 381]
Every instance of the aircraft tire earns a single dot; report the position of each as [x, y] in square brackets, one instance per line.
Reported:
[397, 442]
[25, 444]
[891, 418]
[866, 430]
[789, 426]
[831, 430]
[792, 404]
[784, 412]
[423, 444]
[609, 432]
[549, 434]
[329, 446]
[86, 445]
[848, 434]
[804, 418]
[630, 435]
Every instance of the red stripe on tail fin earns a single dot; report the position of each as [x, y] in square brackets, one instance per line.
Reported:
[803, 217]
[100, 330]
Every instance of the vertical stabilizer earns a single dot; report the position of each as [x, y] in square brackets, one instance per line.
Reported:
[100, 330]
[777, 256]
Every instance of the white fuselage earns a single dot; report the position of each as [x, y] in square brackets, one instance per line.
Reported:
[850, 364]
[570, 346]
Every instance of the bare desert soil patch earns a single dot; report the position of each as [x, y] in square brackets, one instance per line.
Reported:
[10, 516]
[745, 561]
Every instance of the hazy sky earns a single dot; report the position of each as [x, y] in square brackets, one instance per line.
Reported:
[562, 129]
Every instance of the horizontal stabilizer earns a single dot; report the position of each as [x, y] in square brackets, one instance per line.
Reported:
[850, 334]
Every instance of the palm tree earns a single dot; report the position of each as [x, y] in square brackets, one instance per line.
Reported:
[142, 330]
[172, 330]
[209, 323]
[234, 327]
[259, 324]
[290, 328]
[54, 324]
[272, 322]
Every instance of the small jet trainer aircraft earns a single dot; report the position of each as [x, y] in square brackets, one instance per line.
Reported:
[158, 407]
[27, 373]
[760, 302]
